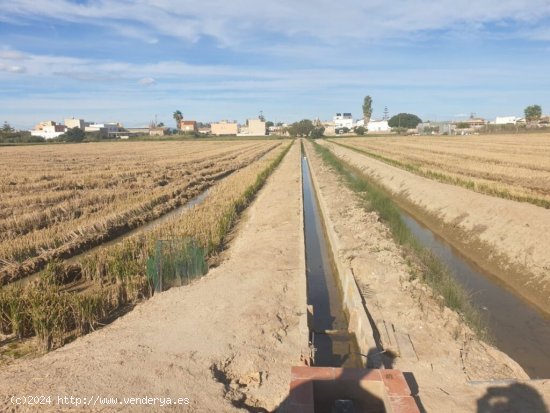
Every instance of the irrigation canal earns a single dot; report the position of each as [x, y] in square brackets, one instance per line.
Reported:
[517, 329]
[334, 345]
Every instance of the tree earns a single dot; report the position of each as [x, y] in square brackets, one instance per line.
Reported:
[367, 108]
[317, 132]
[10, 135]
[301, 128]
[6, 128]
[463, 125]
[178, 117]
[360, 130]
[73, 135]
[533, 113]
[269, 124]
[404, 120]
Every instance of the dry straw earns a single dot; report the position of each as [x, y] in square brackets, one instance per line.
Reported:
[114, 278]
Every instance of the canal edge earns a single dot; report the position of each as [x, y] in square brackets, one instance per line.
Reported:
[359, 320]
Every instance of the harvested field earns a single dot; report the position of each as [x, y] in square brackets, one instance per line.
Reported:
[507, 239]
[226, 341]
[60, 200]
[226, 338]
[69, 301]
[514, 167]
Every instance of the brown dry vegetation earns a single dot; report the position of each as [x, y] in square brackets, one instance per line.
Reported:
[70, 301]
[508, 166]
[59, 200]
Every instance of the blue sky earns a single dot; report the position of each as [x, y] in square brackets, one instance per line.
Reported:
[127, 61]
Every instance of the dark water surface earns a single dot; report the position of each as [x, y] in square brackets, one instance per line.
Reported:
[517, 328]
[338, 348]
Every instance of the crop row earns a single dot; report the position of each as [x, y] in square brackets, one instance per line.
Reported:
[28, 253]
[496, 166]
[115, 277]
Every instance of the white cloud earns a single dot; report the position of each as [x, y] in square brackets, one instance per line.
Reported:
[147, 81]
[87, 76]
[8, 54]
[12, 68]
[233, 22]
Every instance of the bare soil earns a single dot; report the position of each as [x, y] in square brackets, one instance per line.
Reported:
[507, 239]
[226, 342]
[454, 371]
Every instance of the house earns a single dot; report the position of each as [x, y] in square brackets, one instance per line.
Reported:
[473, 123]
[278, 129]
[75, 123]
[506, 120]
[136, 132]
[188, 126]
[343, 120]
[156, 131]
[380, 126]
[225, 128]
[105, 129]
[255, 127]
[48, 130]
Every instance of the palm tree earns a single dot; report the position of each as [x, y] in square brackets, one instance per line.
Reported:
[178, 117]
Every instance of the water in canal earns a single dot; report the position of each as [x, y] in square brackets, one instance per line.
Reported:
[517, 328]
[335, 346]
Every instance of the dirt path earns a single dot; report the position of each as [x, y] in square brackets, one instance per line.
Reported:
[443, 356]
[506, 238]
[226, 341]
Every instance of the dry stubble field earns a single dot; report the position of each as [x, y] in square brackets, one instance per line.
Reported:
[59, 200]
[514, 167]
[64, 199]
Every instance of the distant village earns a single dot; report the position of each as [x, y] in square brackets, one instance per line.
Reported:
[342, 123]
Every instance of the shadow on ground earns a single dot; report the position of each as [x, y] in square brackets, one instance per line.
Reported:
[515, 398]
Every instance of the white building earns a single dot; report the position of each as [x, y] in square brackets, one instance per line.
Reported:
[506, 120]
[48, 130]
[380, 126]
[108, 129]
[254, 127]
[343, 120]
